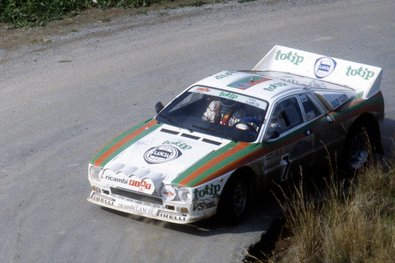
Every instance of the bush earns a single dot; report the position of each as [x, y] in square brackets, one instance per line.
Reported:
[38, 12]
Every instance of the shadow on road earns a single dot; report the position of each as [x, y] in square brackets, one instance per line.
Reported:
[259, 219]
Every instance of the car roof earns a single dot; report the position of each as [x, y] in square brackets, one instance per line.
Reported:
[250, 83]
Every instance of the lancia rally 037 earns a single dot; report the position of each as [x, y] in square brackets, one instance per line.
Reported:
[217, 144]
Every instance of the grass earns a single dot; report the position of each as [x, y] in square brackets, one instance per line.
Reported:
[38, 12]
[22, 13]
[356, 225]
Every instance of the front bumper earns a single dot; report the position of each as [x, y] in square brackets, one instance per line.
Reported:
[169, 212]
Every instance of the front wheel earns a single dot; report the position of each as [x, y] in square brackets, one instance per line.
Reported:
[234, 200]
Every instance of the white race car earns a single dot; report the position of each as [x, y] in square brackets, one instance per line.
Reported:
[222, 140]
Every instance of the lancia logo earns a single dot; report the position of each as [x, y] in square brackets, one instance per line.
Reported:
[324, 67]
[161, 154]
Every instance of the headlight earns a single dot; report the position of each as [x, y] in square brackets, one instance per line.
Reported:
[185, 195]
[168, 192]
[94, 172]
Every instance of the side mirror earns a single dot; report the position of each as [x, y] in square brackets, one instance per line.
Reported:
[159, 106]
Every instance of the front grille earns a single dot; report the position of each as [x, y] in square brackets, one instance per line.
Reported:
[137, 196]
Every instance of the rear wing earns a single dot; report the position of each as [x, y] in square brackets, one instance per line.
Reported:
[357, 76]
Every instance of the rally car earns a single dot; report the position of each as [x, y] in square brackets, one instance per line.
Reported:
[216, 145]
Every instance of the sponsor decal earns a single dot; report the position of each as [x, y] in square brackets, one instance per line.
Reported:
[139, 209]
[339, 100]
[294, 58]
[180, 144]
[290, 80]
[324, 66]
[253, 102]
[274, 86]
[198, 206]
[168, 192]
[102, 199]
[223, 75]
[114, 179]
[228, 95]
[144, 185]
[161, 154]
[203, 89]
[172, 216]
[364, 73]
[208, 190]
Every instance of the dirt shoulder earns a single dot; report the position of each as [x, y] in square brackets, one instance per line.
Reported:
[12, 38]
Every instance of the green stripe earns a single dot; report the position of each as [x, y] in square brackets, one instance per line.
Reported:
[127, 144]
[243, 154]
[246, 155]
[202, 161]
[353, 110]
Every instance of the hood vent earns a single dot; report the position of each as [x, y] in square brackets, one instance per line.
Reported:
[212, 142]
[190, 136]
[169, 131]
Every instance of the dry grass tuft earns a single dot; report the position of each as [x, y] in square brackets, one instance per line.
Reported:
[356, 225]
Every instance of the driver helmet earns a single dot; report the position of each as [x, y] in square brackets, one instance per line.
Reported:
[227, 105]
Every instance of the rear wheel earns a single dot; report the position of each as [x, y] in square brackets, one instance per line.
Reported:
[358, 150]
[234, 200]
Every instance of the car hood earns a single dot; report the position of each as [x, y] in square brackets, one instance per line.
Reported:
[158, 153]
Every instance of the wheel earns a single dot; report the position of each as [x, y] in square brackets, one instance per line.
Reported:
[358, 150]
[234, 200]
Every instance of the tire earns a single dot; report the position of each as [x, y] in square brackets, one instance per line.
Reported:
[235, 199]
[358, 151]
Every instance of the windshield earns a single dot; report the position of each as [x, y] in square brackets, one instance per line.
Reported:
[216, 112]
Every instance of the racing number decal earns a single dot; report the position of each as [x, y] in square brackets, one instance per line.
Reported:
[285, 165]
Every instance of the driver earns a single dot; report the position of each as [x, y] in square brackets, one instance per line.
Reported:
[229, 113]
[222, 111]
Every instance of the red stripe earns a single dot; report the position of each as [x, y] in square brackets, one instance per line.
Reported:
[122, 142]
[213, 162]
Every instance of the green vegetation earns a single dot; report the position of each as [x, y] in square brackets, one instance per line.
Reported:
[22, 13]
[355, 227]
[39, 12]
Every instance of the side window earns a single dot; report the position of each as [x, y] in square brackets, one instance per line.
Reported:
[310, 109]
[286, 115]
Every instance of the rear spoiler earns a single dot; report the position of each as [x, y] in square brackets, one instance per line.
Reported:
[357, 76]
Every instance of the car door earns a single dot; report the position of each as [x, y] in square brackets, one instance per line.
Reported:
[329, 132]
[288, 139]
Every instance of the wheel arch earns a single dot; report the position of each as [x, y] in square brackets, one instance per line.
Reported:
[227, 207]
[249, 174]
[372, 126]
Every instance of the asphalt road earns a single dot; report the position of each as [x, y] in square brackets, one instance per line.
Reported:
[61, 101]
